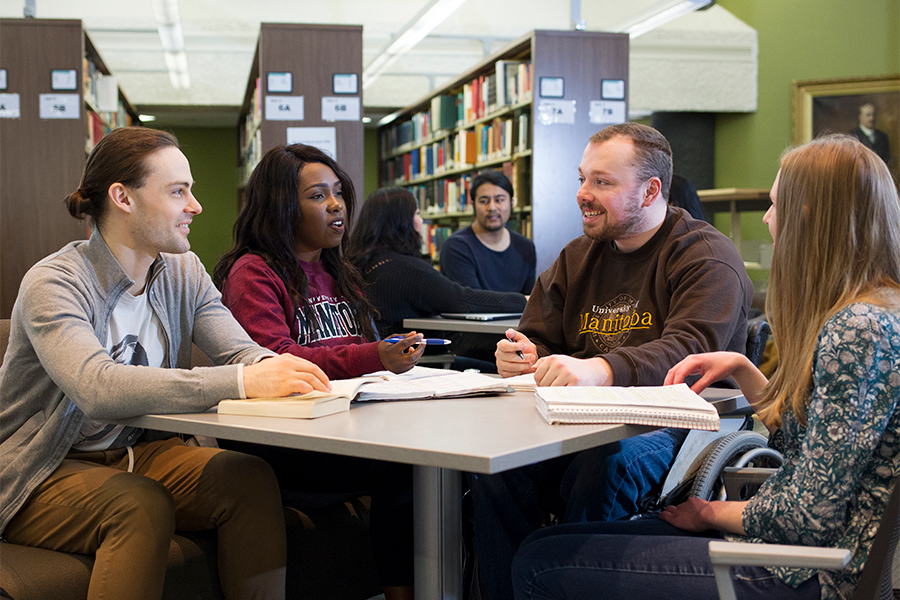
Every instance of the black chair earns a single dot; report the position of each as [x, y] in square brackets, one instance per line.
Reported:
[758, 332]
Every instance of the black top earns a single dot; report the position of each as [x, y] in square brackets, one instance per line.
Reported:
[467, 261]
[406, 287]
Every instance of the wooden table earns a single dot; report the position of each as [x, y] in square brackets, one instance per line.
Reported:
[734, 201]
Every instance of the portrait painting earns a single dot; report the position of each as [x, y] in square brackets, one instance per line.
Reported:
[865, 107]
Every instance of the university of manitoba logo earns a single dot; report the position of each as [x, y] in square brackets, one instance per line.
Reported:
[610, 325]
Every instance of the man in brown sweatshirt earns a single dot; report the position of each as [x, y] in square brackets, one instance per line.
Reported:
[644, 287]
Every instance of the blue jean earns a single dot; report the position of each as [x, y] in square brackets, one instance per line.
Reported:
[635, 560]
[601, 484]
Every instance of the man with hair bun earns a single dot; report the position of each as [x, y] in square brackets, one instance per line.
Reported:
[102, 330]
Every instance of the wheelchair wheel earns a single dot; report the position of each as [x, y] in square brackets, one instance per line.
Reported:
[738, 449]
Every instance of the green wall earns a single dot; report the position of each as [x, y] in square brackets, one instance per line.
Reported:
[798, 39]
[370, 161]
[212, 153]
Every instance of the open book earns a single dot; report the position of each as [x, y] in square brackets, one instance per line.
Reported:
[301, 406]
[661, 406]
[422, 383]
[419, 383]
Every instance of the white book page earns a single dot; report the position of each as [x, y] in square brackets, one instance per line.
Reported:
[416, 372]
[425, 385]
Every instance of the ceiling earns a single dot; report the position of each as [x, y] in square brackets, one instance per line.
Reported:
[220, 38]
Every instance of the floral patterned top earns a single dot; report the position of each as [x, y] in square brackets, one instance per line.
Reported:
[838, 470]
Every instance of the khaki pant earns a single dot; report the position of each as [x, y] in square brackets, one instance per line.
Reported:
[92, 505]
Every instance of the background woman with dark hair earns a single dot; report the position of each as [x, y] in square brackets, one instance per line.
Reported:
[386, 248]
[287, 282]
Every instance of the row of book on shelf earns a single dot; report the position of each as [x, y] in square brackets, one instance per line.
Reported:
[445, 196]
[453, 194]
[498, 139]
[510, 84]
[251, 155]
[96, 85]
[250, 126]
[433, 238]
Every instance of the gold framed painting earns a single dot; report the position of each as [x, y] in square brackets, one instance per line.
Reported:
[867, 107]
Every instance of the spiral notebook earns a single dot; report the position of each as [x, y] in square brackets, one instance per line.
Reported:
[659, 406]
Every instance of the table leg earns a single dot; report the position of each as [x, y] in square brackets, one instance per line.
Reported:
[735, 225]
[437, 509]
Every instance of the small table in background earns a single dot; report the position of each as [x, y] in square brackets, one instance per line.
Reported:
[734, 201]
[441, 324]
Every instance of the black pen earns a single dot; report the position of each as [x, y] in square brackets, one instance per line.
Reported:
[518, 352]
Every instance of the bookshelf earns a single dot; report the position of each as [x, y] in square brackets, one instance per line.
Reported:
[43, 158]
[525, 110]
[319, 64]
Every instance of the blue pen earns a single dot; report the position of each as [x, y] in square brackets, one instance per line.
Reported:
[427, 341]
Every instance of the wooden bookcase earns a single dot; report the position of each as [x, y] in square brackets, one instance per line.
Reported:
[312, 55]
[540, 154]
[42, 159]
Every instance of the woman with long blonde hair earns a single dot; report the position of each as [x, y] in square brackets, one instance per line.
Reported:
[834, 306]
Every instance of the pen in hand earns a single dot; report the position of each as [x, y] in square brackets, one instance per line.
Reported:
[518, 352]
[427, 341]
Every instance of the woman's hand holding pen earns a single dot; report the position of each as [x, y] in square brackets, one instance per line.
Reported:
[401, 355]
[515, 354]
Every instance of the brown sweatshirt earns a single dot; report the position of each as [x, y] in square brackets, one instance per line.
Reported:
[685, 291]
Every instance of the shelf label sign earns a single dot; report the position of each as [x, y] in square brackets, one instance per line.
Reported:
[340, 108]
[284, 108]
[60, 106]
[607, 112]
[555, 112]
[9, 106]
[323, 138]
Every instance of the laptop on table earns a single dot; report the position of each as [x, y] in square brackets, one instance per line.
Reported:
[481, 316]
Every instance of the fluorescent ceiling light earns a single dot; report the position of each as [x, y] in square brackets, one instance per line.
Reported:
[657, 15]
[146, 118]
[424, 23]
[171, 36]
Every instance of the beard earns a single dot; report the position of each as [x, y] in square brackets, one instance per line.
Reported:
[629, 224]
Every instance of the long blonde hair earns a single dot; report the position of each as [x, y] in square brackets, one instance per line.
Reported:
[837, 242]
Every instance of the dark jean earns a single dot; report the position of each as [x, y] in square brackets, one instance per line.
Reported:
[635, 560]
[601, 484]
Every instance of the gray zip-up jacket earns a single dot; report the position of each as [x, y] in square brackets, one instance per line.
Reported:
[57, 371]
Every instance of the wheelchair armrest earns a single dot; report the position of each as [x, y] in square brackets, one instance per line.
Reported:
[777, 555]
[734, 478]
[724, 555]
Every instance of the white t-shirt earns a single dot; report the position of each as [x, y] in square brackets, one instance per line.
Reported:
[135, 337]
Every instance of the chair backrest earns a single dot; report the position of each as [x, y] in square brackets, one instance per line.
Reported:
[4, 338]
[758, 332]
[875, 581]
